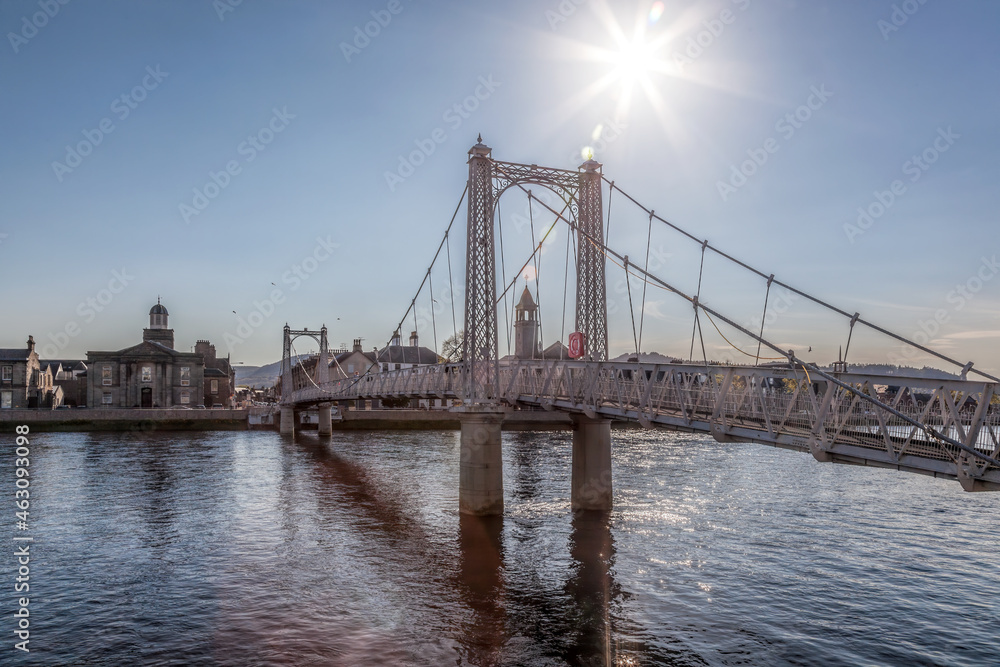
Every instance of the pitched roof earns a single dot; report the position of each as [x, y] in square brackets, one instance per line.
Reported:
[13, 353]
[370, 356]
[526, 302]
[407, 354]
[147, 348]
[215, 372]
[556, 351]
[67, 364]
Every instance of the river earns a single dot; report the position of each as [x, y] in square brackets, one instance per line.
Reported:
[249, 548]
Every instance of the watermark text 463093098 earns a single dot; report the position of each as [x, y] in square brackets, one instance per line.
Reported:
[22, 546]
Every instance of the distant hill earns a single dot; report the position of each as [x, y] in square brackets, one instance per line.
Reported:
[905, 371]
[648, 358]
[261, 376]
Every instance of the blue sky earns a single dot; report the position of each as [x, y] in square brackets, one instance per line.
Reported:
[309, 119]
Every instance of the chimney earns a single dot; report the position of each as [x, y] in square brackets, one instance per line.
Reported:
[395, 338]
[357, 345]
[31, 344]
[413, 339]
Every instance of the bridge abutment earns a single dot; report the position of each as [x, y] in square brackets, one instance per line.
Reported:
[325, 421]
[591, 482]
[480, 485]
[287, 425]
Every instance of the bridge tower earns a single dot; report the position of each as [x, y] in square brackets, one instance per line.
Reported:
[320, 376]
[481, 472]
[591, 292]
[480, 487]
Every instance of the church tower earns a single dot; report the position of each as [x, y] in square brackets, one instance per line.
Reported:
[526, 327]
[158, 330]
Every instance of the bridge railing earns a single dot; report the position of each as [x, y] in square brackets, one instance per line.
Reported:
[882, 420]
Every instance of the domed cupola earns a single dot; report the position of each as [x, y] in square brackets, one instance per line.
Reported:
[158, 330]
[158, 316]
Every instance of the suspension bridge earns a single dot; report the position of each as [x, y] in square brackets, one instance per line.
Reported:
[945, 428]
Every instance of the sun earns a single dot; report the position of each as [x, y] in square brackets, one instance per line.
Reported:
[640, 63]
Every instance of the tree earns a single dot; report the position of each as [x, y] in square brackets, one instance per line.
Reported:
[451, 348]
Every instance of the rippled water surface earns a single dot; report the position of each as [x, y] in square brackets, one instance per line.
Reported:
[253, 549]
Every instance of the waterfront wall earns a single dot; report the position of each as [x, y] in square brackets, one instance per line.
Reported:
[129, 419]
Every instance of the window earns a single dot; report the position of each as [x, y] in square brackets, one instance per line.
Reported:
[8, 373]
[185, 397]
[214, 386]
[106, 398]
[106, 375]
[185, 376]
[147, 373]
[6, 399]
[397, 367]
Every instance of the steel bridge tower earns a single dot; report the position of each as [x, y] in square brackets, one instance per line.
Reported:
[320, 376]
[481, 472]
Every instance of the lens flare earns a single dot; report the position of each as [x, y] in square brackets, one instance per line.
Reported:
[655, 12]
[529, 274]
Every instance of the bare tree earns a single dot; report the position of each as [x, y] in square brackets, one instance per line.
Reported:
[451, 348]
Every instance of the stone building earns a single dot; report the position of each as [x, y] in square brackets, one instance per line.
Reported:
[396, 356]
[71, 376]
[220, 377]
[22, 382]
[151, 374]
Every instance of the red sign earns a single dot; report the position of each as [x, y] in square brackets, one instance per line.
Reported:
[577, 345]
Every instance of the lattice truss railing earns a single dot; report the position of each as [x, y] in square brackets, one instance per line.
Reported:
[778, 406]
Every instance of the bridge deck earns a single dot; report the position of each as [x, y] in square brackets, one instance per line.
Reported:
[867, 424]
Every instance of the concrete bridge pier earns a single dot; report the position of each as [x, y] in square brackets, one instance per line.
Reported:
[325, 422]
[287, 425]
[480, 485]
[591, 483]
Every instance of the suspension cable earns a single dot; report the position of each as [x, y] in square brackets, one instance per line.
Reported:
[793, 360]
[871, 325]
[631, 309]
[503, 276]
[538, 273]
[562, 328]
[694, 324]
[430, 286]
[642, 311]
[763, 316]
[451, 285]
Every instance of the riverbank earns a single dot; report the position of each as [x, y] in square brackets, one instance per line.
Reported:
[128, 419]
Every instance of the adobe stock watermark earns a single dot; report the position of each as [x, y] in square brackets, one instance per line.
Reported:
[122, 107]
[218, 181]
[562, 12]
[363, 35]
[294, 277]
[786, 127]
[223, 7]
[88, 309]
[454, 116]
[697, 44]
[31, 25]
[915, 167]
[900, 14]
[957, 298]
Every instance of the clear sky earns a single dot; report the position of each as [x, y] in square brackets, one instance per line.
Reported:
[219, 154]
